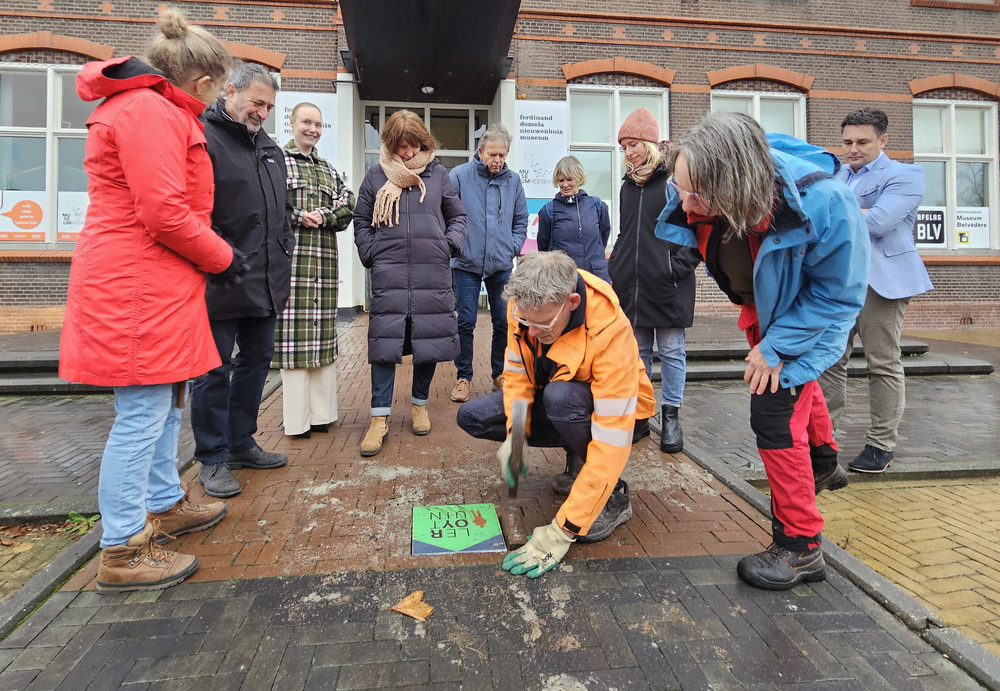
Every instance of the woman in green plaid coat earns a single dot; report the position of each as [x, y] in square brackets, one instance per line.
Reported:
[305, 339]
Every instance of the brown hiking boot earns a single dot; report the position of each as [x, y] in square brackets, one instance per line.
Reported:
[421, 421]
[460, 394]
[186, 517]
[377, 430]
[140, 565]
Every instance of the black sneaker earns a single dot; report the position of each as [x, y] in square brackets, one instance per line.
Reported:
[256, 457]
[834, 479]
[777, 568]
[617, 511]
[871, 460]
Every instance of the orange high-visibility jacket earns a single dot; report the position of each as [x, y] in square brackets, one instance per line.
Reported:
[603, 353]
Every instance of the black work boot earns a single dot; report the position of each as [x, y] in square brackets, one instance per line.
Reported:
[826, 471]
[777, 568]
[640, 430]
[618, 510]
[564, 480]
[671, 437]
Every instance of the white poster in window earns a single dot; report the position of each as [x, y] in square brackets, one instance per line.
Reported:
[72, 210]
[21, 216]
[541, 142]
[327, 104]
[930, 226]
[972, 226]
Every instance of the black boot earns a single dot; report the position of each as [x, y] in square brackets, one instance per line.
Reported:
[640, 430]
[671, 437]
[826, 471]
[564, 481]
[777, 568]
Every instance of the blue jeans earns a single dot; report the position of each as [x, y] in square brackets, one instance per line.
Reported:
[673, 361]
[384, 380]
[225, 402]
[559, 417]
[139, 466]
[467, 304]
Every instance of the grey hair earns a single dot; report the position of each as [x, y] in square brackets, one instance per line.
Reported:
[569, 167]
[246, 73]
[542, 278]
[729, 164]
[495, 133]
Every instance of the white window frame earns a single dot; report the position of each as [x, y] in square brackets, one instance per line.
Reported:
[754, 98]
[51, 131]
[951, 158]
[617, 159]
[424, 109]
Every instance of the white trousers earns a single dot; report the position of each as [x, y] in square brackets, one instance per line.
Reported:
[309, 397]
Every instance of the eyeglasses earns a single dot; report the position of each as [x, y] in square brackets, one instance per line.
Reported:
[540, 327]
[683, 193]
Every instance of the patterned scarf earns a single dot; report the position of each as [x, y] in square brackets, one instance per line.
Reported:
[401, 174]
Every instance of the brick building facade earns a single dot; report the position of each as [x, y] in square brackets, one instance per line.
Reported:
[803, 64]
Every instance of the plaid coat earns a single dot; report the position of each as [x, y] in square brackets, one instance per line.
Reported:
[305, 335]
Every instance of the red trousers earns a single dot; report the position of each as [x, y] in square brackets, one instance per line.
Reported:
[791, 426]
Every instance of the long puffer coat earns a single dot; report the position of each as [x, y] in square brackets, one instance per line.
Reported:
[135, 313]
[654, 279]
[410, 267]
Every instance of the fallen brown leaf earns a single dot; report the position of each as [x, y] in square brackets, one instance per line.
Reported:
[413, 606]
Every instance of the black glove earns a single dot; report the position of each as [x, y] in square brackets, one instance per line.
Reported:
[233, 274]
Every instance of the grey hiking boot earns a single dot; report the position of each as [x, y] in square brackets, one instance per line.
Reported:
[617, 511]
[219, 480]
[563, 482]
[257, 458]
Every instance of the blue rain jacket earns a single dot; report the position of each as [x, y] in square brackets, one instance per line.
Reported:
[811, 276]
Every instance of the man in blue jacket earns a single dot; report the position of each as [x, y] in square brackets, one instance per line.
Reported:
[889, 193]
[787, 242]
[497, 225]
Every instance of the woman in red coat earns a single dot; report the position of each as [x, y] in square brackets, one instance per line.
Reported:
[135, 316]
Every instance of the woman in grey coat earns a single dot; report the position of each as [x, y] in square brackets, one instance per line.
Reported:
[408, 224]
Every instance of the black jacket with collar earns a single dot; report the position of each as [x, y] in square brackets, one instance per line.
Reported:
[252, 213]
[654, 279]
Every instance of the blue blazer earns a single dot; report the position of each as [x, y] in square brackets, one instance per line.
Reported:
[890, 193]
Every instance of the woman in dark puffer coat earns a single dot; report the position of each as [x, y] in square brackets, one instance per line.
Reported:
[653, 278]
[408, 224]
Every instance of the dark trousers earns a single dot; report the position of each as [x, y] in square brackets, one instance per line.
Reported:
[467, 305]
[559, 417]
[225, 402]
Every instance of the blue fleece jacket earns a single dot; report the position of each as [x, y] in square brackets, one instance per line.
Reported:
[811, 276]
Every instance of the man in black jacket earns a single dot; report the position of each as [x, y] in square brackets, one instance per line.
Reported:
[253, 214]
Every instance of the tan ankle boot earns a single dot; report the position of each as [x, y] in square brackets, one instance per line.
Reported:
[372, 443]
[140, 565]
[186, 517]
[421, 421]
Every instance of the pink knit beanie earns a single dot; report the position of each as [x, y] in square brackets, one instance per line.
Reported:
[640, 125]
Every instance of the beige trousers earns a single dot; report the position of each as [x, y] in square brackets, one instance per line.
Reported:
[879, 325]
[309, 397]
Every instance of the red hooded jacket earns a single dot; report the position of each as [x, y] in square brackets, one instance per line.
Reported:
[136, 308]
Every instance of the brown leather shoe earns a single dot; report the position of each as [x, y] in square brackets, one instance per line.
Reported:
[498, 383]
[421, 421]
[186, 517]
[460, 394]
[140, 565]
[377, 430]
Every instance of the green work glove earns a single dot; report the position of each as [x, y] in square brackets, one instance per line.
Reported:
[546, 547]
[503, 455]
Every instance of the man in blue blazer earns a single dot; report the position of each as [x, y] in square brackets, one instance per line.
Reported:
[889, 193]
